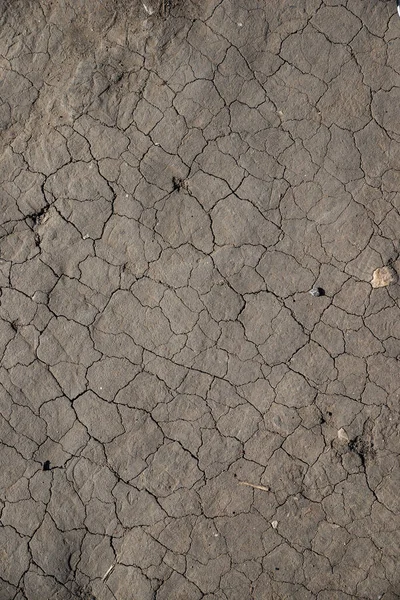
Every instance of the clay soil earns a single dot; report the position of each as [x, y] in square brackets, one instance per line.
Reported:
[180, 419]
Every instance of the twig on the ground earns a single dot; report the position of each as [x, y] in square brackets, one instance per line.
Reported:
[108, 573]
[257, 487]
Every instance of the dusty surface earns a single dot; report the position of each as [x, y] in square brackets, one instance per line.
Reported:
[180, 417]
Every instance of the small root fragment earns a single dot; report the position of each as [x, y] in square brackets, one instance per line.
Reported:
[257, 487]
[108, 573]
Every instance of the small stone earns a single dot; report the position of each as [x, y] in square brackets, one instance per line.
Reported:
[342, 435]
[274, 524]
[316, 292]
[383, 277]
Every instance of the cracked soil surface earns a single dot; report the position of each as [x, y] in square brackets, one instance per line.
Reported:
[180, 418]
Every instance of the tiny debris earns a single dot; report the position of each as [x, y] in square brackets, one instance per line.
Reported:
[383, 277]
[274, 524]
[398, 7]
[316, 292]
[46, 465]
[148, 9]
[178, 184]
[40, 216]
[342, 435]
[256, 487]
[364, 448]
[108, 572]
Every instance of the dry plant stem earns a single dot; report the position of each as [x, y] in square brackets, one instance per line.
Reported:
[256, 487]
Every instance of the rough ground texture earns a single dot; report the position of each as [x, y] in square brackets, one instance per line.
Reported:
[180, 418]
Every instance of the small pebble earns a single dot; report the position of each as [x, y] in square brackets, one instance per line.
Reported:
[274, 524]
[342, 435]
[317, 292]
[383, 277]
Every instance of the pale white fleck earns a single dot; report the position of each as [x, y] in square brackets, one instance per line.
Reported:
[342, 435]
[148, 9]
[108, 572]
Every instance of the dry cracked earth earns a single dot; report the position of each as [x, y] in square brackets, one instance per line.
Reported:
[180, 418]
